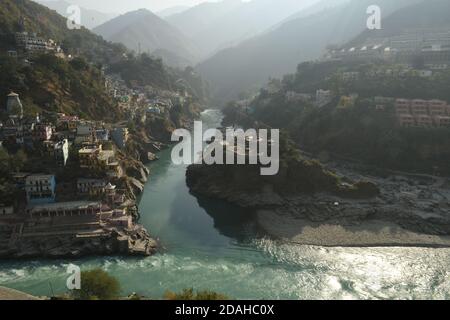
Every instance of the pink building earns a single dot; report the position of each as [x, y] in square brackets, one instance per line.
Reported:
[419, 107]
[442, 121]
[437, 108]
[422, 113]
[424, 121]
[406, 120]
[402, 106]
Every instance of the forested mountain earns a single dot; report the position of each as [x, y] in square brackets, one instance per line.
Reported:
[359, 129]
[217, 25]
[143, 31]
[76, 85]
[171, 11]
[248, 65]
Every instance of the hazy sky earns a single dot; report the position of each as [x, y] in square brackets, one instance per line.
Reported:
[122, 6]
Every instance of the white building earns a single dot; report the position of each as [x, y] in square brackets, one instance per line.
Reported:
[323, 97]
[62, 152]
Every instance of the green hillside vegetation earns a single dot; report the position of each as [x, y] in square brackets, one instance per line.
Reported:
[278, 51]
[296, 175]
[143, 31]
[360, 131]
[77, 86]
[149, 71]
[97, 284]
[26, 15]
[53, 84]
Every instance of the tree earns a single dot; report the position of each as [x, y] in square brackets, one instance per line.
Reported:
[19, 160]
[97, 284]
[80, 64]
[4, 161]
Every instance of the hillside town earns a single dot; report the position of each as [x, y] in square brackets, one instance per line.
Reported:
[430, 47]
[88, 205]
[414, 55]
[78, 179]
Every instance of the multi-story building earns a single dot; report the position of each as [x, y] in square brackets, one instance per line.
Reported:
[63, 209]
[424, 120]
[102, 135]
[381, 103]
[293, 96]
[85, 128]
[350, 76]
[402, 106]
[33, 43]
[114, 170]
[422, 113]
[20, 179]
[40, 188]
[69, 123]
[88, 156]
[442, 121]
[323, 97]
[91, 187]
[437, 108]
[406, 120]
[105, 157]
[432, 45]
[48, 147]
[12, 53]
[419, 107]
[85, 133]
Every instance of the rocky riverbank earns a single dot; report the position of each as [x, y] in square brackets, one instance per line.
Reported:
[103, 241]
[308, 204]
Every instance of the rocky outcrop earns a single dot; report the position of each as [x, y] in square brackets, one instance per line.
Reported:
[135, 176]
[135, 241]
[296, 175]
[304, 190]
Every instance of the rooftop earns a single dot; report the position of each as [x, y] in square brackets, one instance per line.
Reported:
[40, 176]
[65, 206]
[88, 150]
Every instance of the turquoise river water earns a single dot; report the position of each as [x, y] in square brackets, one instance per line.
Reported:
[212, 245]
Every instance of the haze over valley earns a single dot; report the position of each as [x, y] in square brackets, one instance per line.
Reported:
[224, 150]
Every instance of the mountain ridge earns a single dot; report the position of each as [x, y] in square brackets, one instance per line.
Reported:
[248, 65]
[144, 31]
[89, 18]
[218, 25]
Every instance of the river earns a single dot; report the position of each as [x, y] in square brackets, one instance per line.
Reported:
[212, 245]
